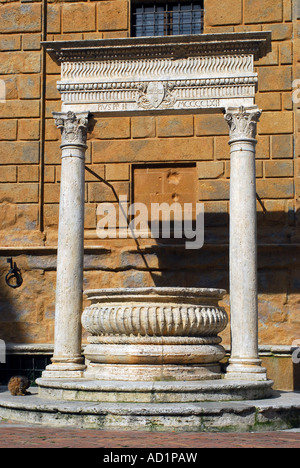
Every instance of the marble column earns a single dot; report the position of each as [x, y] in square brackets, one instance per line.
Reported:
[67, 360]
[244, 362]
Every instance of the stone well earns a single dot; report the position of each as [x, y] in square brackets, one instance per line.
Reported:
[161, 333]
[153, 355]
[152, 346]
[153, 333]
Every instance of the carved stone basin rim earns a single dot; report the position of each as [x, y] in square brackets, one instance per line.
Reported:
[135, 331]
[160, 312]
[150, 293]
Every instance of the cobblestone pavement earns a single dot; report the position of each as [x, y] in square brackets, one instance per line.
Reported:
[28, 436]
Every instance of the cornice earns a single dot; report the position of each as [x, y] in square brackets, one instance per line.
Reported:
[256, 43]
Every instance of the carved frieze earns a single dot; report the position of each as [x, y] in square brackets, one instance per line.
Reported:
[191, 83]
[142, 74]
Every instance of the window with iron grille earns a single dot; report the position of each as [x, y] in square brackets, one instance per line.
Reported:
[166, 19]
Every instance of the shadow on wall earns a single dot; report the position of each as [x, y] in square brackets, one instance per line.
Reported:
[8, 315]
[24, 318]
[166, 262]
[27, 312]
[10, 299]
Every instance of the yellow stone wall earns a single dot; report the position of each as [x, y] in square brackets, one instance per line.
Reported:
[117, 146]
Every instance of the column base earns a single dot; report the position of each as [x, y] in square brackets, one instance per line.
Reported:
[152, 373]
[64, 371]
[245, 369]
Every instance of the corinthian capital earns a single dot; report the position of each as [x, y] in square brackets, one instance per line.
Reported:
[242, 122]
[73, 127]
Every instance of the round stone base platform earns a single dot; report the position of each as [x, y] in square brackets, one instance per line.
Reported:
[280, 411]
[152, 392]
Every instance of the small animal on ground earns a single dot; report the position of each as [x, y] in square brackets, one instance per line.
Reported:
[18, 385]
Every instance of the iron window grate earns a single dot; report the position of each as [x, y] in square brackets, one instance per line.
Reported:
[167, 19]
[31, 366]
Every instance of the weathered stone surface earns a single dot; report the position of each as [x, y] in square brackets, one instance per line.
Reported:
[8, 130]
[111, 128]
[78, 17]
[20, 17]
[279, 169]
[51, 88]
[148, 150]
[19, 152]
[112, 15]
[267, 11]
[242, 416]
[276, 123]
[154, 392]
[28, 193]
[28, 174]
[8, 174]
[20, 109]
[214, 190]
[32, 41]
[54, 18]
[269, 101]
[29, 129]
[117, 171]
[165, 185]
[143, 127]
[216, 16]
[271, 189]
[175, 126]
[98, 192]
[282, 146]
[10, 42]
[275, 79]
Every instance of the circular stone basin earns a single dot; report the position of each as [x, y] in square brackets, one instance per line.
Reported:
[154, 333]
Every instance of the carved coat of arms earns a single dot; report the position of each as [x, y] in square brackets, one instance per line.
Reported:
[155, 94]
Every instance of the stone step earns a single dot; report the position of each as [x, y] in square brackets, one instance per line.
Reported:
[281, 411]
[152, 392]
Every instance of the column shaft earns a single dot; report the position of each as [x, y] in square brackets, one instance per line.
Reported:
[244, 361]
[70, 260]
[67, 360]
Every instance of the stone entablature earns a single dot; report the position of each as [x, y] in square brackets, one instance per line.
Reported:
[172, 73]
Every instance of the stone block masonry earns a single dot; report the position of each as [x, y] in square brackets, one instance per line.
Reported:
[30, 162]
[18, 17]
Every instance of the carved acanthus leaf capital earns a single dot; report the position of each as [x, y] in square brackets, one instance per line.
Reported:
[242, 122]
[73, 127]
